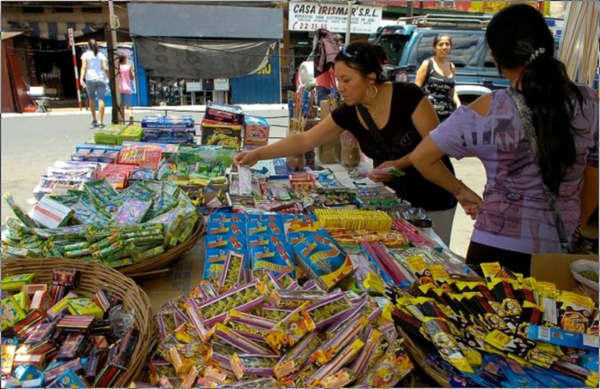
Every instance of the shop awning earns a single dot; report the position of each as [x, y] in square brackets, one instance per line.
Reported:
[203, 58]
[56, 30]
[11, 34]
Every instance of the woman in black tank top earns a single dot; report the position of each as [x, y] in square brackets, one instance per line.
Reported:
[436, 78]
[388, 120]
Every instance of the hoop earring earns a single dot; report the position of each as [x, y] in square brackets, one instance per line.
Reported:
[374, 94]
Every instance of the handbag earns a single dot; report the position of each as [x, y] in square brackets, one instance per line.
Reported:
[578, 245]
[397, 183]
[429, 71]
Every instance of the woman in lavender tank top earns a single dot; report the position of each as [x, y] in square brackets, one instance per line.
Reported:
[514, 219]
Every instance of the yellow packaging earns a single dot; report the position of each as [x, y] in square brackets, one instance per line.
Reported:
[439, 274]
[181, 364]
[490, 269]
[11, 312]
[23, 300]
[14, 283]
[8, 356]
[84, 306]
[290, 330]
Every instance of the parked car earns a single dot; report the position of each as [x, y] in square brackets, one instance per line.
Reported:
[408, 45]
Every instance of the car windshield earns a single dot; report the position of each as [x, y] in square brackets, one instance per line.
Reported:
[393, 45]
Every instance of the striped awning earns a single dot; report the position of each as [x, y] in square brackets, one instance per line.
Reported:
[56, 30]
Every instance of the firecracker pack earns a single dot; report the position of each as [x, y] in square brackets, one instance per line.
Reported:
[51, 337]
[272, 332]
[504, 330]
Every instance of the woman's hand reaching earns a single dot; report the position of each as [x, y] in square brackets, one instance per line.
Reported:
[373, 176]
[249, 158]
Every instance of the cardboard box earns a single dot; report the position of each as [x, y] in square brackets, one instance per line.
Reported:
[256, 131]
[555, 268]
[221, 134]
[319, 256]
[167, 122]
[232, 114]
[50, 213]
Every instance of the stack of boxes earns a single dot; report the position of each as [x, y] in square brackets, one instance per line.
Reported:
[168, 129]
[222, 126]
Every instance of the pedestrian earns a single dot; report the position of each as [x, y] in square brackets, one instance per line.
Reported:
[126, 77]
[325, 82]
[402, 115]
[94, 69]
[537, 140]
[437, 78]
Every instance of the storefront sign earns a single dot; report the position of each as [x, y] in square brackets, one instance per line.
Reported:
[221, 84]
[305, 16]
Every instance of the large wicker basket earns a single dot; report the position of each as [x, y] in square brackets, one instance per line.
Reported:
[419, 355]
[96, 276]
[152, 265]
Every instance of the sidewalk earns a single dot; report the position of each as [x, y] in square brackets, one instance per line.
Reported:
[155, 109]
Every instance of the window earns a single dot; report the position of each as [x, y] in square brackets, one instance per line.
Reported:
[62, 10]
[33, 10]
[91, 10]
[447, 4]
[488, 61]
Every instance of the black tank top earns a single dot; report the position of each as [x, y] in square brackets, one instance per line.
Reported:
[402, 138]
[438, 89]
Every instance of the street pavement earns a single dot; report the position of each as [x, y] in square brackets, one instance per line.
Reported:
[30, 143]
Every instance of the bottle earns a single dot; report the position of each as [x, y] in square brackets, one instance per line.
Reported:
[350, 150]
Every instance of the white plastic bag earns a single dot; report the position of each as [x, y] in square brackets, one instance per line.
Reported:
[584, 265]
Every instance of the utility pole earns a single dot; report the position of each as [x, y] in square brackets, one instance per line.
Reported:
[72, 44]
[349, 22]
[113, 66]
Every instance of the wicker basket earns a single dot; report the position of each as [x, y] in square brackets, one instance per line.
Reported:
[419, 356]
[151, 265]
[96, 276]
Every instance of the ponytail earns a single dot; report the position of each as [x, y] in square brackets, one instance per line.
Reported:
[518, 36]
[93, 46]
[548, 92]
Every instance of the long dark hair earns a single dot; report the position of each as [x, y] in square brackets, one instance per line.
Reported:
[366, 58]
[439, 37]
[93, 46]
[518, 35]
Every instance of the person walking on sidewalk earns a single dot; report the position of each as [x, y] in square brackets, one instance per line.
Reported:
[94, 69]
[126, 78]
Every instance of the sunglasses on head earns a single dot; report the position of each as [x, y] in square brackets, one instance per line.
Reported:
[349, 53]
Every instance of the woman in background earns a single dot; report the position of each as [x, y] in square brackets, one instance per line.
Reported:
[94, 69]
[436, 78]
[126, 77]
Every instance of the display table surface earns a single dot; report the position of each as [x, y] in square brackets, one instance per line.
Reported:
[185, 273]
